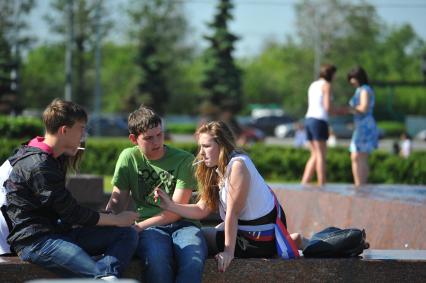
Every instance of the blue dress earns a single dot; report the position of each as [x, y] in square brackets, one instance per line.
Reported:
[365, 135]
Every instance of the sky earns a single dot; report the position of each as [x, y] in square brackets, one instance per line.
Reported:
[255, 21]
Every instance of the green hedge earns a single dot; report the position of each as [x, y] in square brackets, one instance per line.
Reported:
[27, 127]
[20, 127]
[391, 128]
[275, 163]
[179, 128]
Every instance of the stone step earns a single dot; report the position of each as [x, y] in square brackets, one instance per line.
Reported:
[373, 266]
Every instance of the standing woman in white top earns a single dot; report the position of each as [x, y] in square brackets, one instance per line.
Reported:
[316, 124]
[229, 182]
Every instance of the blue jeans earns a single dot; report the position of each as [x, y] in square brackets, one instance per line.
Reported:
[69, 254]
[172, 253]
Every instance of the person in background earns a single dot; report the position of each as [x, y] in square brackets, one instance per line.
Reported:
[48, 227]
[365, 136]
[316, 124]
[332, 139]
[396, 149]
[406, 145]
[229, 182]
[300, 139]
[171, 249]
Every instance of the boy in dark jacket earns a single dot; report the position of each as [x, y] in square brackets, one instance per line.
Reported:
[48, 227]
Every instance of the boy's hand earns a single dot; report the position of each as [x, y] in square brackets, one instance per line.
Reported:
[162, 198]
[126, 218]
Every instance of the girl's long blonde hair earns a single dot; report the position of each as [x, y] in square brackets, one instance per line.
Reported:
[208, 179]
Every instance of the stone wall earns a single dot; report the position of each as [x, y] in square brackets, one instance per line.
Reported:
[393, 217]
[12, 270]
[390, 222]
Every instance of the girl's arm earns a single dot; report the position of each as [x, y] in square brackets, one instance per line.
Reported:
[362, 107]
[165, 217]
[326, 90]
[122, 219]
[239, 181]
[191, 211]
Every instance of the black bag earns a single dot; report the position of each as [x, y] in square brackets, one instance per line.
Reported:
[336, 242]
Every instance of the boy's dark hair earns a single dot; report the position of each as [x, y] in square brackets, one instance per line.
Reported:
[327, 71]
[359, 74]
[142, 119]
[62, 113]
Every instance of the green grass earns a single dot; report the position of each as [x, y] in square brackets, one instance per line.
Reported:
[181, 128]
[107, 184]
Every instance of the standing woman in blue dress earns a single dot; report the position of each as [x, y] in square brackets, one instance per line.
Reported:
[365, 136]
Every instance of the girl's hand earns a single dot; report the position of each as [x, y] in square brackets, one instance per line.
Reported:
[164, 199]
[223, 260]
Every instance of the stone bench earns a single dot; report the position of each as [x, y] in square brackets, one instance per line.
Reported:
[394, 216]
[373, 266]
[88, 190]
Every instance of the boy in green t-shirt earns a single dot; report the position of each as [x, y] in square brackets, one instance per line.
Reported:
[167, 243]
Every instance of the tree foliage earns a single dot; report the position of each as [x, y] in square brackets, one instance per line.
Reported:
[120, 75]
[155, 65]
[348, 35]
[279, 75]
[43, 75]
[85, 28]
[159, 28]
[12, 40]
[12, 22]
[222, 80]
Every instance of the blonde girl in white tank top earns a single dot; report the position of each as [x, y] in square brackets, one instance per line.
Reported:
[229, 182]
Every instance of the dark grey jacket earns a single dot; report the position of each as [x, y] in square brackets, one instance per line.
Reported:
[37, 201]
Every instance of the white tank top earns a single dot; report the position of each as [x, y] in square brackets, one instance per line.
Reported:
[315, 101]
[260, 200]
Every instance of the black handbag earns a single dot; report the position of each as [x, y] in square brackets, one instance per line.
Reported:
[336, 242]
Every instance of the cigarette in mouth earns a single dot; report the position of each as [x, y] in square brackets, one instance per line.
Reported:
[80, 148]
[198, 162]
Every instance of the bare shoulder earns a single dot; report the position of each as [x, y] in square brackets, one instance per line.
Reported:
[364, 91]
[326, 86]
[238, 164]
[238, 169]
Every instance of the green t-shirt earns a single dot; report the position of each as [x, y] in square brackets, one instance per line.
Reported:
[141, 176]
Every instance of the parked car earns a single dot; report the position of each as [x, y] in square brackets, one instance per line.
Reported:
[251, 135]
[267, 124]
[284, 130]
[342, 126]
[107, 125]
[421, 135]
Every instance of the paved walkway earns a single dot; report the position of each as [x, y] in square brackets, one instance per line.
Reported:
[384, 144]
